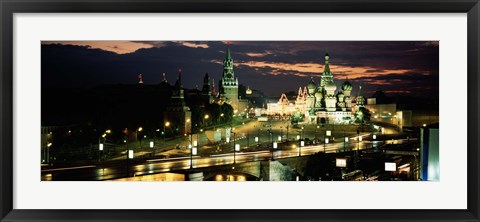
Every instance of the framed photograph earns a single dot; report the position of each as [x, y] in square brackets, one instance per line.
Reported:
[252, 111]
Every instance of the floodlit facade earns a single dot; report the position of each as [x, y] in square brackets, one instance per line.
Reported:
[321, 103]
[229, 86]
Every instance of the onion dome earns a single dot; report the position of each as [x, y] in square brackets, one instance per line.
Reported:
[330, 86]
[340, 95]
[311, 87]
[318, 94]
[248, 91]
[347, 86]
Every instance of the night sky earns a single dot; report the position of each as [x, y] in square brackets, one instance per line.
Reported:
[400, 67]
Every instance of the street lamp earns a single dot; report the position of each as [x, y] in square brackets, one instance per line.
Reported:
[325, 145]
[344, 143]
[101, 145]
[129, 156]
[234, 149]
[271, 137]
[281, 134]
[205, 118]
[100, 151]
[275, 146]
[140, 129]
[301, 134]
[302, 143]
[237, 147]
[328, 133]
[193, 152]
[288, 126]
[48, 152]
[166, 124]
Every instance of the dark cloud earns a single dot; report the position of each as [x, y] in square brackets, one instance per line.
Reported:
[272, 67]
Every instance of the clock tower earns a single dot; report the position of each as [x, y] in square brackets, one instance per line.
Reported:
[229, 83]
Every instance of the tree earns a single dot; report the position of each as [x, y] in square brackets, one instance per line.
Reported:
[227, 110]
[362, 115]
[297, 117]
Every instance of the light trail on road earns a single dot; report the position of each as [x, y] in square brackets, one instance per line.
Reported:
[183, 163]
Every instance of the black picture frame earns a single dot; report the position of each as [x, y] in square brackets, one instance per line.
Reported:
[9, 7]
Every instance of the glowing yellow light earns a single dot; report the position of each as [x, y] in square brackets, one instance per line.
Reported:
[207, 116]
[49, 144]
[188, 120]
[108, 131]
[140, 129]
[167, 123]
[424, 125]
[222, 115]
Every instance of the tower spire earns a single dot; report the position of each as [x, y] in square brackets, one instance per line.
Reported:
[164, 78]
[228, 65]
[228, 54]
[327, 66]
[360, 99]
[214, 91]
[180, 77]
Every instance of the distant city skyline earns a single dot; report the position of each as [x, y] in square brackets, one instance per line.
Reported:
[273, 67]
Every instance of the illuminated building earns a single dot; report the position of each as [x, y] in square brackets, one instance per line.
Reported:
[229, 86]
[282, 107]
[178, 113]
[321, 104]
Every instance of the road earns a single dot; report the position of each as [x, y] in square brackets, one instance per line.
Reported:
[121, 169]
